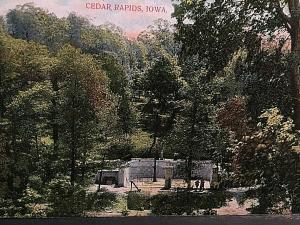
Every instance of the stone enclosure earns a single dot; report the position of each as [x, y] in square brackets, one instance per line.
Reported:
[139, 168]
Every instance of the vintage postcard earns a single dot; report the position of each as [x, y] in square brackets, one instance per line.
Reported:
[122, 108]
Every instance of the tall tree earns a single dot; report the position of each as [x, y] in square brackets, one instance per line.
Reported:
[159, 39]
[192, 136]
[210, 31]
[77, 25]
[161, 85]
[83, 92]
[118, 84]
[269, 17]
[36, 24]
[24, 100]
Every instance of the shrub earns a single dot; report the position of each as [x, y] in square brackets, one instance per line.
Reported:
[8, 208]
[64, 199]
[100, 200]
[267, 157]
[137, 201]
[35, 182]
[187, 203]
[33, 203]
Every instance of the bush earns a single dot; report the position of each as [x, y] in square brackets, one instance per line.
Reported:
[30, 204]
[34, 204]
[8, 208]
[64, 199]
[35, 182]
[228, 181]
[137, 201]
[100, 200]
[188, 203]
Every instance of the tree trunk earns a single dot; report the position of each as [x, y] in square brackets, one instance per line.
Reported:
[296, 193]
[189, 164]
[82, 172]
[295, 73]
[2, 105]
[83, 167]
[102, 167]
[37, 147]
[156, 129]
[73, 145]
[189, 172]
[155, 157]
[12, 154]
[54, 123]
[296, 78]
[154, 170]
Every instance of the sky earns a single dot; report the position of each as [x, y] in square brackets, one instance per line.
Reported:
[132, 22]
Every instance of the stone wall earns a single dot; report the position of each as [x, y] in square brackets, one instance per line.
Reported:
[103, 176]
[143, 168]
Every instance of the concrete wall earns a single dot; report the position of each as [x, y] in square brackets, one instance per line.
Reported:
[107, 175]
[123, 178]
[143, 168]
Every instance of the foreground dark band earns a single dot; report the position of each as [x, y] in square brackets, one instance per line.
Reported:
[168, 220]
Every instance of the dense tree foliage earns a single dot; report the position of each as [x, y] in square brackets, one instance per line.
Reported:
[248, 40]
[265, 157]
[218, 85]
[161, 86]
